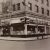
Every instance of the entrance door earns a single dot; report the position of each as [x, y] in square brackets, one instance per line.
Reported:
[6, 30]
[31, 29]
[41, 29]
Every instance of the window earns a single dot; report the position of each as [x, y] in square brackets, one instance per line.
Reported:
[18, 6]
[47, 2]
[36, 0]
[37, 8]
[31, 29]
[30, 6]
[42, 10]
[48, 12]
[42, 1]
[5, 9]
[14, 7]
[17, 27]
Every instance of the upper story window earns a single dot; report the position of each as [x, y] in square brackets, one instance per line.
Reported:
[42, 10]
[14, 7]
[37, 8]
[18, 6]
[47, 2]
[42, 1]
[5, 8]
[36, 0]
[48, 12]
[30, 6]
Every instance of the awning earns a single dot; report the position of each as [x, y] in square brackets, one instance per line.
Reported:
[15, 21]
[5, 21]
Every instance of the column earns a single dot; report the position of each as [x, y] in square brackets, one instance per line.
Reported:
[25, 30]
[1, 31]
[36, 29]
[11, 30]
[49, 32]
[45, 29]
[49, 29]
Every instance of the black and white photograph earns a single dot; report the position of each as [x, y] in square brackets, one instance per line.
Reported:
[24, 24]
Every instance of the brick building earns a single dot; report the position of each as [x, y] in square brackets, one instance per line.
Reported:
[26, 17]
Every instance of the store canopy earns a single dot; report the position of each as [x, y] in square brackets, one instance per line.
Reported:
[15, 21]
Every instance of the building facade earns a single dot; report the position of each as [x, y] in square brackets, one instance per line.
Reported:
[25, 17]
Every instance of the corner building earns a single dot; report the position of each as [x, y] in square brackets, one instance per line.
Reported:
[27, 17]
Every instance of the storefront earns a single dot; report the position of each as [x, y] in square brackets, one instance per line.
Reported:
[34, 29]
[16, 27]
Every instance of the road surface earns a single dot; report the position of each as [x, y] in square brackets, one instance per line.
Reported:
[25, 45]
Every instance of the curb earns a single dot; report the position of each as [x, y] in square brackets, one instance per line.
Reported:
[23, 39]
[18, 39]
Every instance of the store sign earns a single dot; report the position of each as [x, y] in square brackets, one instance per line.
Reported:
[28, 20]
[34, 21]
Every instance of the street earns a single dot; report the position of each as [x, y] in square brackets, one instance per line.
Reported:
[25, 45]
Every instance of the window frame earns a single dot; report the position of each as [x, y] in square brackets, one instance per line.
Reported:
[37, 8]
[42, 1]
[42, 10]
[47, 2]
[48, 12]
[30, 6]
[18, 6]
[36, 0]
[14, 9]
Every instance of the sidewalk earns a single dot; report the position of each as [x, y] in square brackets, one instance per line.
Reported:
[17, 39]
[20, 39]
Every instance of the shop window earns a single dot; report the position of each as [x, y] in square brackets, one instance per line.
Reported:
[31, 29]
[17, 27]
[41, 29]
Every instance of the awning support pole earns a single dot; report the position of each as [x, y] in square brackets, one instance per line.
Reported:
[45, 29]
[25, 30]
